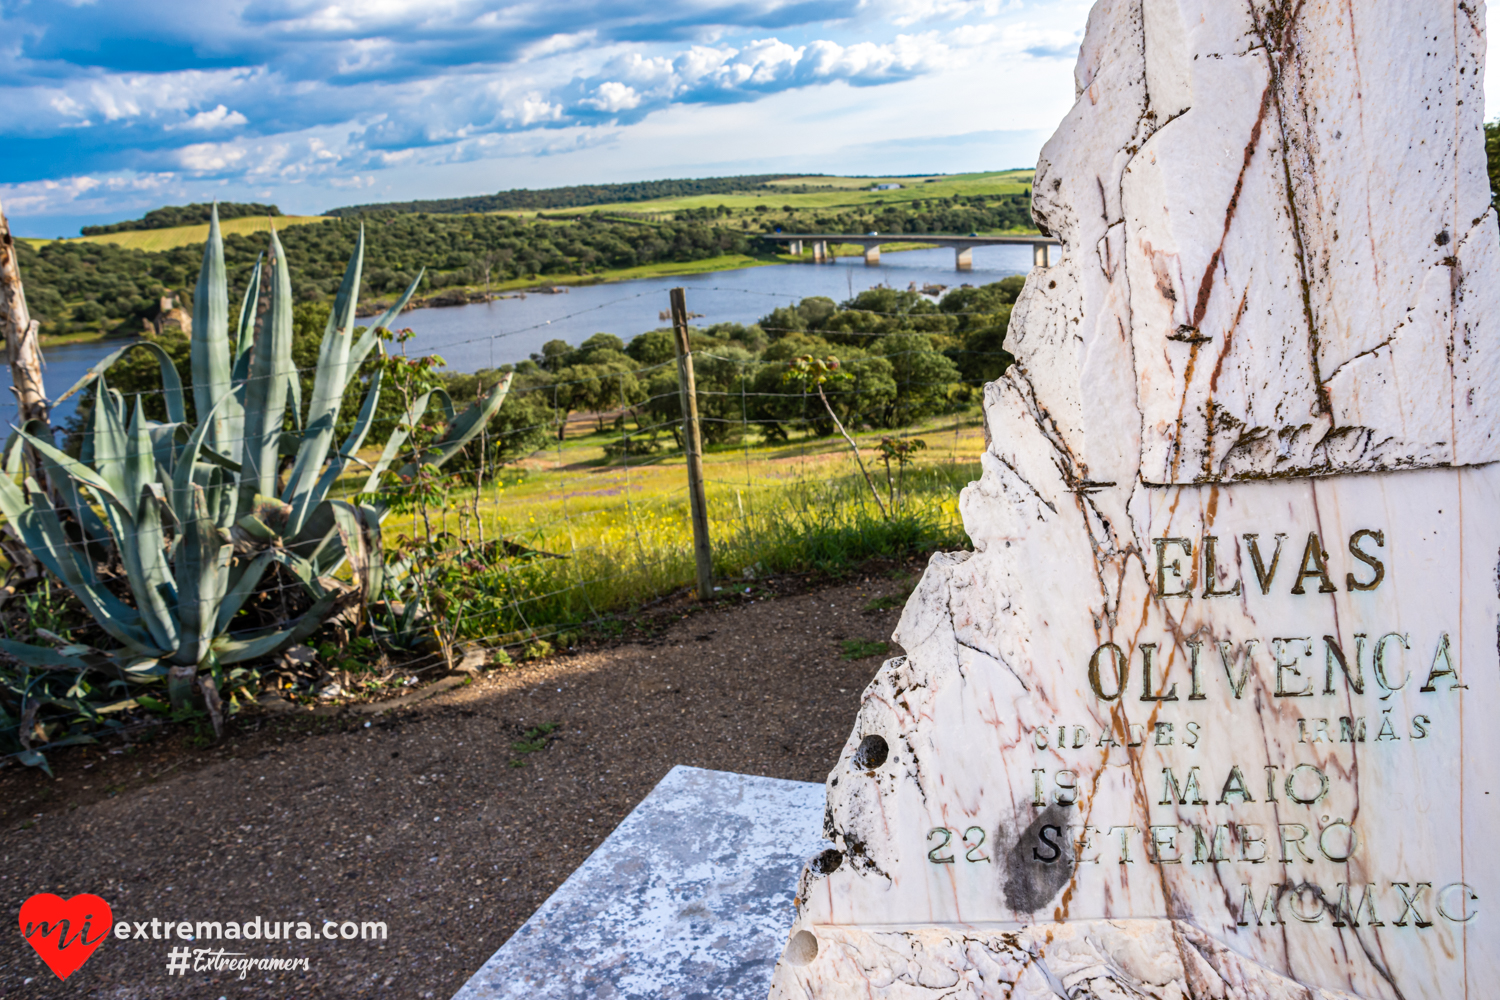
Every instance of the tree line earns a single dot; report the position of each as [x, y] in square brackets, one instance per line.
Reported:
[576, 196]
[173, 216]
[957, 214]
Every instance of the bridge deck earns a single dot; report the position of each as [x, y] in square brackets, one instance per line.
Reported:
[948, 240]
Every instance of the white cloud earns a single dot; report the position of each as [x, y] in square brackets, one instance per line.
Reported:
[82, 193]
[613, 96]
[210, 157]
[219, 117]
[531, 108]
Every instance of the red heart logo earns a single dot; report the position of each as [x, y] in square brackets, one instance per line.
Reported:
[62, 930]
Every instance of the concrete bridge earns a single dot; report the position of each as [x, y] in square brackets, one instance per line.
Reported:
[1045, 248]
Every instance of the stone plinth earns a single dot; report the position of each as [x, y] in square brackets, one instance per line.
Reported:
[689, 897]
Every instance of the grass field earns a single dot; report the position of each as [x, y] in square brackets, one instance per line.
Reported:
[850, 191]
[615, 535]
[177, 236]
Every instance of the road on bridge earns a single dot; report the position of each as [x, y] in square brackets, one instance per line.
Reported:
[963, 246]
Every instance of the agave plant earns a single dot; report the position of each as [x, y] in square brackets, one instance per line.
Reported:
[196, 515]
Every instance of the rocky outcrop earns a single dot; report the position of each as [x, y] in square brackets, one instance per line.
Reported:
[1200, 714]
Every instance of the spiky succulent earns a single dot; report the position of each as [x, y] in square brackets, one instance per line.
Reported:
[196, 515]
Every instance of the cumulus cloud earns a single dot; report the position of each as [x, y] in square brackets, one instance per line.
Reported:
[83, 193]
[611, 96]
[204, 121]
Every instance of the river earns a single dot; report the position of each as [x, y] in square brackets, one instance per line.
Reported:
[508, 330]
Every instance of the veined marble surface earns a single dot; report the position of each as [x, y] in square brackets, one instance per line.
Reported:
[689, 897]
[1211, 708]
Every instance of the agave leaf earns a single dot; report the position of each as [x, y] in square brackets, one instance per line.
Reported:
[44, 535]
[237, 650]
[182, 476]
[463, 429]
[248, 308]
[353, 442]
[147, 572]
[359, 533]
[34, 758]
[394, 442]
[79, 658]
[210, 337]
[266, 392]
[140, 460]
[328, 393]
[257, 529]
[171, 382]
[342, 315]
[109, 443]
[77, 470]
[242, 583]
[446, 402]
[202, 570]
[371, 336]
[234, 408]
[95, 540]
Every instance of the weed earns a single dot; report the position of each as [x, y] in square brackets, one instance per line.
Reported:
[859, 649]
[884, 603]
[360, 655]
[532, 740]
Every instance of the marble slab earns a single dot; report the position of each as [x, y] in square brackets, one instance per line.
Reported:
[1210, 710]
[689, 897]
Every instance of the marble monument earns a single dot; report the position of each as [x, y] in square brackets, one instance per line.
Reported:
[1212, 709]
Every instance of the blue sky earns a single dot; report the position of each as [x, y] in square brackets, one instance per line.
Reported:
[113, 108]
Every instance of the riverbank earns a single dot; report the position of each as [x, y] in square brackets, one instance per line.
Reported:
[85, 337]
[556, 284]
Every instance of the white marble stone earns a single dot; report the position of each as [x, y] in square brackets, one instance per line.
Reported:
[688, 897]
[1258, 334]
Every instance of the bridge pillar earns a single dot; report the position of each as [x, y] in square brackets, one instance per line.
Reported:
[965, 258]
[820, 251]
[872, 255]
[1044, 254]
[794, 247]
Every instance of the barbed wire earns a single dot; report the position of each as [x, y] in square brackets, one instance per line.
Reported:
[626, 537]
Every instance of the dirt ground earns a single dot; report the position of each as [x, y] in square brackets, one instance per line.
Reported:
[421, 819]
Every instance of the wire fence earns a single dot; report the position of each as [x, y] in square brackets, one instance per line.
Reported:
[534, 553]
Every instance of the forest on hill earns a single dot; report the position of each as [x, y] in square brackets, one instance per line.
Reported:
[76, 287]
[577, 196]
[183, 215]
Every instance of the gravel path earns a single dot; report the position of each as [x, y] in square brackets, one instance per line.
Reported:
[421, 820]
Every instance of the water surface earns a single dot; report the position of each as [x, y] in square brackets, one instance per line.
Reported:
[486, 335]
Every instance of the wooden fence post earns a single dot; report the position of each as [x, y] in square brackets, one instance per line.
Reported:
[693, 447]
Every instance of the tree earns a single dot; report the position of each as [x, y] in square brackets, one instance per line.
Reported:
[1492, 153]
[922, 376]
